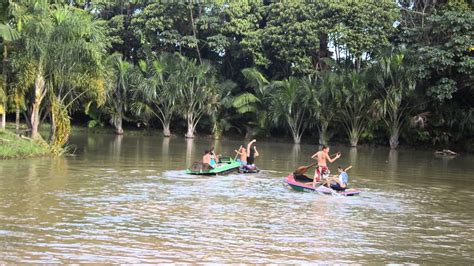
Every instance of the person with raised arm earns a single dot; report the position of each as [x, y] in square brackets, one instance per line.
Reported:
[322, 171]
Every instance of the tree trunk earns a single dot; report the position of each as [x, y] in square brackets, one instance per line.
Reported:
[190, 132]
[217, 130]
[193, 26]
[323, 133]
[297, 139]
[166, 130]
[4, 70]
[394, 139]
[118, 126]
[17, 119]
[4, 119]
[190, 120]
[354, 139]
[34, 118]
[35, 107]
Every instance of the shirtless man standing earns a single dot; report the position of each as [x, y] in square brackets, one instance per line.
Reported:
[323, 171]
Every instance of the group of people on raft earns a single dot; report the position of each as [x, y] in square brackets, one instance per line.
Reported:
[322, 174]
[247, 156]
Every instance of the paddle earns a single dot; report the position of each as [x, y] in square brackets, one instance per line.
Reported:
[347, 168]
[237, 153]
[303, 169]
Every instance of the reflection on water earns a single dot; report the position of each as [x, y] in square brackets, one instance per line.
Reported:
[190, 151]
[127, 199]
[352, 156]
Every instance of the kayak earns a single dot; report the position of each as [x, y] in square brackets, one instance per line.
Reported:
[301, 185]
[226, 165]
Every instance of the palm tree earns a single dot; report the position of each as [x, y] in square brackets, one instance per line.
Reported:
[353, 105]
[255, 102]
[221, 104]
[396, 86]
[65, 46]
[291, 100]
[156, 92]
[7, 34]
[120, 74]
[24, 80]
[325, 88]
[196, 89]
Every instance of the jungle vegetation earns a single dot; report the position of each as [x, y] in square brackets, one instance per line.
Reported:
[384, 72]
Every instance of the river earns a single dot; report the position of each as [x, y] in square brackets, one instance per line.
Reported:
[128, 200]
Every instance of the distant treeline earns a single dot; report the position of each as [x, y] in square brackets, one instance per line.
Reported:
[358, 71]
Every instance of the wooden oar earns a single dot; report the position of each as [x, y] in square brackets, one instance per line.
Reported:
[303, 169]
[237, 153]
[347, 168]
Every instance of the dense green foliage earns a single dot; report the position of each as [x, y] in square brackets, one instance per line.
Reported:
[363, 71]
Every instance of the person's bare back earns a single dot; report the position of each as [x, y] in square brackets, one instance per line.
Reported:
[243, 155]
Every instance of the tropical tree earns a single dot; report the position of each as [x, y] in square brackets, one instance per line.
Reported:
[65, 46]
[255, 102]
[7, 34]
[196, 88]
[325, 90]
[24, 79]
[120, 74]
[291, 99]
[221, 106]
[395, 85]
[354, 105]
[155, 95]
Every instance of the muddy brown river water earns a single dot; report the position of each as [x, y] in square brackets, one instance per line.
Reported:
[128, 200]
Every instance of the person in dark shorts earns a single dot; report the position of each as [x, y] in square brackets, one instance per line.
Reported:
[253, 153]
[341, 181]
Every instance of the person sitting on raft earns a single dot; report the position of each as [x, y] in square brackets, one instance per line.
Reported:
[214, 157]
[206, 159]
[340, 181]
[243, 156]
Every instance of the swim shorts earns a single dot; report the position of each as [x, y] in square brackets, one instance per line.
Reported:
[323, 174]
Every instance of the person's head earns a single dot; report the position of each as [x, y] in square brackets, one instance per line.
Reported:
[340, 169]
[326, 149]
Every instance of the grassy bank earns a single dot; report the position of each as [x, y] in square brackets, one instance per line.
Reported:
[12, 146]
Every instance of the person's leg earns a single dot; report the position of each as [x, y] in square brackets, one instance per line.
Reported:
[317, 171]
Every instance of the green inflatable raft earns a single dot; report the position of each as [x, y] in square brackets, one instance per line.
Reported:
[226, 165]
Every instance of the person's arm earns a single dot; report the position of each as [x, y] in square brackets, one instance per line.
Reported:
[333, 159]
[238, 152]
[256, 154]
[314, 155]
[250, 144]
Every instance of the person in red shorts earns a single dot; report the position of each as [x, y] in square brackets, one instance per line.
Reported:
[322, 171]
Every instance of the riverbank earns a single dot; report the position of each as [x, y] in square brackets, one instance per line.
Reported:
[13, 146]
